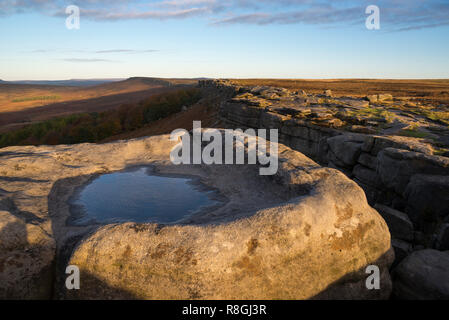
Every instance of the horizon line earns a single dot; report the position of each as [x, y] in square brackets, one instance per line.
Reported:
[222, 78]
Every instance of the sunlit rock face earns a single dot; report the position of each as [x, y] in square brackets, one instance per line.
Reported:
[305, 232]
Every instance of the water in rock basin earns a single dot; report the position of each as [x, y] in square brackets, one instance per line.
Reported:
[135, 196]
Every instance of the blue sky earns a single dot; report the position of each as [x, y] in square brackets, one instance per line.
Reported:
[224, 39]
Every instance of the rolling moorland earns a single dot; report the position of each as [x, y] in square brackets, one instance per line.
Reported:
[22, 105]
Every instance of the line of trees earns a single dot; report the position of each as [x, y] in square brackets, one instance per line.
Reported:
[94, 127]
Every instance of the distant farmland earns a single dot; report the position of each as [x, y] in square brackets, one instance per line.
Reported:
[22, 104]
[39, 98]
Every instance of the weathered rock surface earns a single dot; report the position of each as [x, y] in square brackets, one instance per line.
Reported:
[443, 237]
[346, 148]
[401, 250]
[423, 275]
[379, 98]
[428, 199]
[26, 259]
[396, 167]
[379, 143]
[398, 222]
[306, 232]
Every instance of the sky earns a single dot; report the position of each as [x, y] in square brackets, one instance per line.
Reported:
[223, 39]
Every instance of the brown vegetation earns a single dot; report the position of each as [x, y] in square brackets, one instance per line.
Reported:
[426, 91]
[24, 104]
[95, 127]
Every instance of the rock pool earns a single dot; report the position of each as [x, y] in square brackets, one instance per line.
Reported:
[139, 196]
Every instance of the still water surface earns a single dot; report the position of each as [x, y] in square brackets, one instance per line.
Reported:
[135, 196]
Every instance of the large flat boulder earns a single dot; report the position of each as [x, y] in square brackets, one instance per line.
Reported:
[306, 232]
[315, 245]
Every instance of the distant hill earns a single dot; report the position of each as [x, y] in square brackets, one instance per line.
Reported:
[97, 82]
[71, 82]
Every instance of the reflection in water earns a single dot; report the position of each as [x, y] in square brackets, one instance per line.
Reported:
[138, 197]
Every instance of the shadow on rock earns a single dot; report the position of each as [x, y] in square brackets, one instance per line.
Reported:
[102, 291]
[26, 266]
[352, 284]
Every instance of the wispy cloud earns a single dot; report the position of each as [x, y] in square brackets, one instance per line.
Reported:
[125, 51]
[107, 15]
[87, 60]
[104, 51]
[396, 15]
[313, 15]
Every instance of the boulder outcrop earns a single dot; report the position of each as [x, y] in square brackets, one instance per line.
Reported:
[404, 175]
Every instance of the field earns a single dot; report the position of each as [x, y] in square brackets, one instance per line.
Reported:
[96, 126]
[22, 104]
